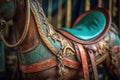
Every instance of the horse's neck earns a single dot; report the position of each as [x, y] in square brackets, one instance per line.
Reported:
[32, 38]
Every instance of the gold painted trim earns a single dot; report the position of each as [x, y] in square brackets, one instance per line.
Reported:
[41, 33]
[51, 33]
[46, 41]
[54, 35]
[99, 61]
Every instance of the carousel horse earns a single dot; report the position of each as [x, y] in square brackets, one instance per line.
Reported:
[45, 53]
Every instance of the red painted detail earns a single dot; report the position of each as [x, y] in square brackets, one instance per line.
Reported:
[44, 65]
[117, 49]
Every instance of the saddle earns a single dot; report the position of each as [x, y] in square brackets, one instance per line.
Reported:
[90, 27]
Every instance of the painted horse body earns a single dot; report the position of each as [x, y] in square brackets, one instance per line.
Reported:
[48, 54]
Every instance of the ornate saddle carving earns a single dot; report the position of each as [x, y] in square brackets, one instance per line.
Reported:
[89, 27]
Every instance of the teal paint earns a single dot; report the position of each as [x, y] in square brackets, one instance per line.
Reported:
[99, 56]
[74, 58]
[89, 27]
[56, 44]
[40, 53]
[116, 42]
[116, 39]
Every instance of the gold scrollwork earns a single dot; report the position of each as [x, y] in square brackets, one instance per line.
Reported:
[102, 47]
[66, 49]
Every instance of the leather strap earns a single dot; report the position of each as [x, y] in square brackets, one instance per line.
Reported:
[47, 64]
[81, 55]
[92, 58]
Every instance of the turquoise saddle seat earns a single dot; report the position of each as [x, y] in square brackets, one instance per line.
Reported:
[89, 27]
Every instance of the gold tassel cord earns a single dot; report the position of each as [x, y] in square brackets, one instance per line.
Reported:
[59, 14]
[68, 13]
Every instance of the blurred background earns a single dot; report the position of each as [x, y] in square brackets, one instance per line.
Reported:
[61, 13]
